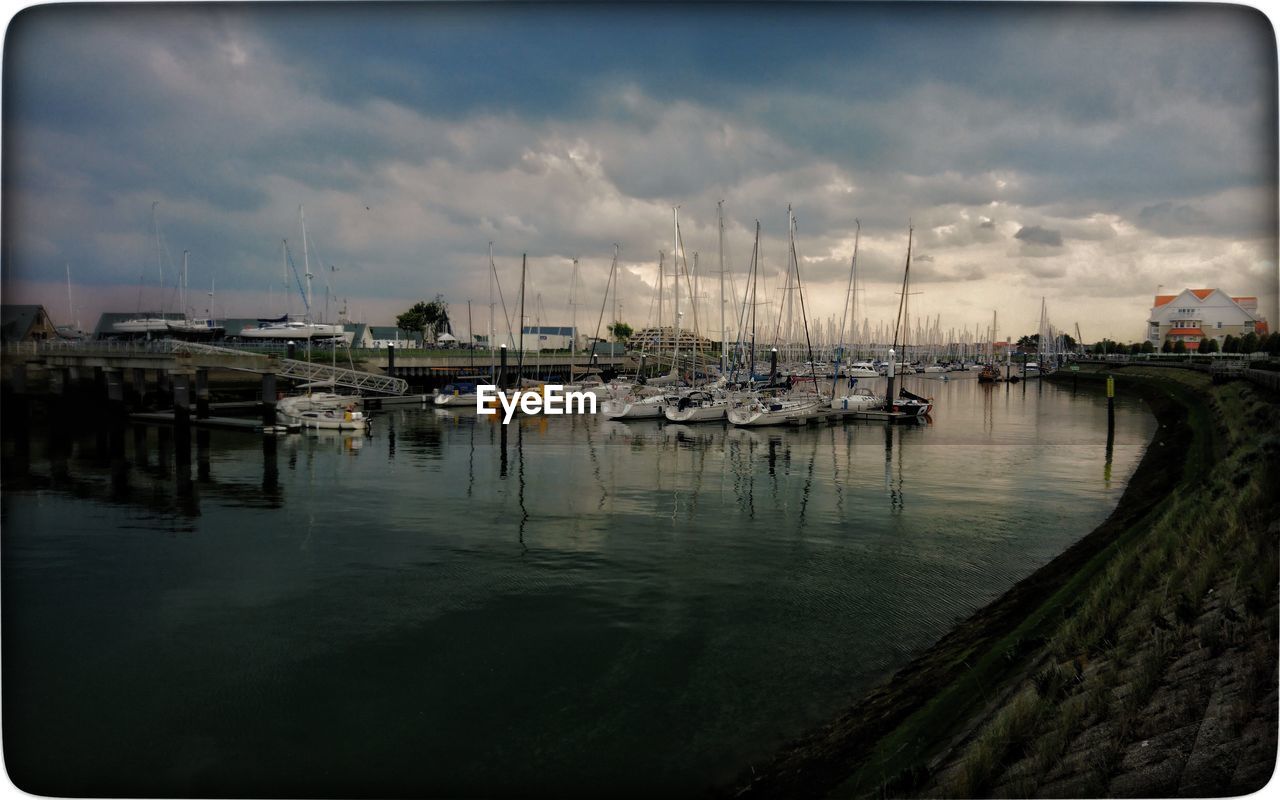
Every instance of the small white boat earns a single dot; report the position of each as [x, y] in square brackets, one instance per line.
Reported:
[860, 369]
[857, 400]
[774, 411]
[333, 419]
[456, 394]
[934, 369]
[142, 325]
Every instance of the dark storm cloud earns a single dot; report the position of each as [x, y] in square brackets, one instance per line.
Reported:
[560, 129]
[1035, 235]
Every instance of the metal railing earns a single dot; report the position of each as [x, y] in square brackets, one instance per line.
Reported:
[341, 376]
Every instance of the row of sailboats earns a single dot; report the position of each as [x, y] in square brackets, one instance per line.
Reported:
[696, 390]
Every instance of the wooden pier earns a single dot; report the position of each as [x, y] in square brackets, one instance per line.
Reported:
[228, 423]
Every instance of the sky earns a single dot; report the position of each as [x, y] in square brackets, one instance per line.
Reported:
[1084, 154]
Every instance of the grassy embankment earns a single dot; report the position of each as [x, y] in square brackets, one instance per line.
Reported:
[1183, 571]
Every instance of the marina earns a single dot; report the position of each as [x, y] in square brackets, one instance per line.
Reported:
[765, 400]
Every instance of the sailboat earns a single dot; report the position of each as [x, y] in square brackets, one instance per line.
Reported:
[795, 406]
[146, 323]
[288, 328]
[904, 402]
[205, 326]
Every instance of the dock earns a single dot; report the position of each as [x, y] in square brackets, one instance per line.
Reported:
[228, 423]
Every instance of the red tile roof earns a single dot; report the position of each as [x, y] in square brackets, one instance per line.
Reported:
[1242, 299]
[1162, 299]
[1191, 345]
[1202, 293]
[1186, 332]
[1260, 327]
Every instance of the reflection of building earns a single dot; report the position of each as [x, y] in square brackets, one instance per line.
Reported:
[656, 340]
[1197, 314]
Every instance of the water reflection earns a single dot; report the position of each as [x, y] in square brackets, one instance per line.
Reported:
[651, 562]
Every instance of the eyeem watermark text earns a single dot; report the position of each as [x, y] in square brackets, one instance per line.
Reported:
[551, 399]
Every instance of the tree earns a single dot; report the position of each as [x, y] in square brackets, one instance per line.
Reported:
[1208, 345]
[1273, 344]
[1179, 347]
[620, 331]
[1167, 347]
[1230, 344]
[1135, 348]
[1027, 343]
[431, 318]
[1249, 343]
[1148, 347]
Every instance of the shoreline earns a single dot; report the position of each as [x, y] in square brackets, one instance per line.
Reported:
[948, 682]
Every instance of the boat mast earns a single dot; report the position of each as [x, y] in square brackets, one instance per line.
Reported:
[675, 264]
[848, 295]
[155, 223]
[524, 258]
[71, 308]
[182, 292]
[573, 317]
[492, 366]
[755, 274]
[804, 315]
[306, 264]
[724, 336]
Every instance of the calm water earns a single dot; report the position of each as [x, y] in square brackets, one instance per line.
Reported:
[451, 605]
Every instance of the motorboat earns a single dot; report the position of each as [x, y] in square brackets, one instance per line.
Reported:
[860, 369]
[333, 419]
[456, 394]
[857, 400]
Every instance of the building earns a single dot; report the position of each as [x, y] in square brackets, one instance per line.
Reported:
[20, 323]
[545, 337]
[655, 340]
[1197, 314]
[383, 335]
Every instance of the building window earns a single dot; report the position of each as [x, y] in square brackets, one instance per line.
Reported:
[1219, 326]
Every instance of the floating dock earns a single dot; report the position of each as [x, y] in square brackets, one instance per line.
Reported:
[229, 423]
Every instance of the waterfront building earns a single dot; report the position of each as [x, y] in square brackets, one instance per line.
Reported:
[382, 335]
[661, 340]
[1197, 314]
[550, 337]
[24, 323]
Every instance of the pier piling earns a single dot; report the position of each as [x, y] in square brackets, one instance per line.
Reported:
[182, 401]
[202, 393]
[268, 398]
[138, 386]
[391, 360]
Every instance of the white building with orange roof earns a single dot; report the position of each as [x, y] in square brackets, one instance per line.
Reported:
[1197, 314]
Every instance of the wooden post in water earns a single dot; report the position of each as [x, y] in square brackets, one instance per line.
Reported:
[182, 401]
[268, 398]
[773, 364]
[391, 360]
[202, 393]
[502, 367]
[138, 383]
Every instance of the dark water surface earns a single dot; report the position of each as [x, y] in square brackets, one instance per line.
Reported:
[455, 606]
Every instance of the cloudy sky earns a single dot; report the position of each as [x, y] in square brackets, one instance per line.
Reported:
[1087, 154]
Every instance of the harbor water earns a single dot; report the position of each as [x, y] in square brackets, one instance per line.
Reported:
[454, 606]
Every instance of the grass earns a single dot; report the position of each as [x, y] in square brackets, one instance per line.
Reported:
[1131, 603]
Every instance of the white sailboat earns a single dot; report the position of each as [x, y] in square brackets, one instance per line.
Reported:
[287, 328]
[205, 326]
[145, 323]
